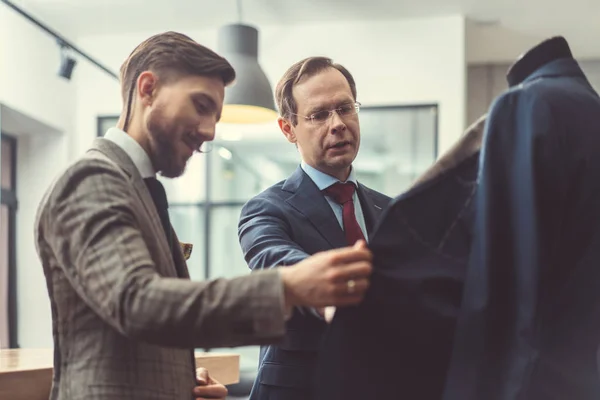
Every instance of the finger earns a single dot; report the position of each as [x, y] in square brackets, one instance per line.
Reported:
[360, 244]
[345, 299]
[202, 376]
[216, 391]
[342, 290]
[346, 255]
[357, 270]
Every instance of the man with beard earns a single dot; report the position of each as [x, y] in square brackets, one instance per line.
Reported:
[125, 315]
[321, 206]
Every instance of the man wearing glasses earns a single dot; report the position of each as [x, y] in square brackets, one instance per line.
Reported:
[321, 206]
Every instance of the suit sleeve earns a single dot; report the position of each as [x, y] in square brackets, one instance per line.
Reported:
[265, 236]
[266, 239]
[520, 185]
[90, 227]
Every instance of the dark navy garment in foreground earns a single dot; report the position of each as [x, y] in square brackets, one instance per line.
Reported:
[397, 343]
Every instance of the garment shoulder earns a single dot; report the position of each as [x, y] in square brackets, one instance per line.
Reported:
[90, 169]
[272, 195]
[536, 96]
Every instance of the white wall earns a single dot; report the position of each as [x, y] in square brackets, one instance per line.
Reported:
[393, 62]
[37, 108]
[29, 60]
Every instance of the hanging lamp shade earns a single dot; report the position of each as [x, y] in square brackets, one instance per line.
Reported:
[250, 99]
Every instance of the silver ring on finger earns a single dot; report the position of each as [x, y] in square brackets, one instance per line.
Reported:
[351, 285]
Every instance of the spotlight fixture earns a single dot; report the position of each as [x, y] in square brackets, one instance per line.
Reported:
[67, 63]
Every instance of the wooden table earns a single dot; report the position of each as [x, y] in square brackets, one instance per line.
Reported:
[26, 374]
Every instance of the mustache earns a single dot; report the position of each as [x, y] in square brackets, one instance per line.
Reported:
[193, 140]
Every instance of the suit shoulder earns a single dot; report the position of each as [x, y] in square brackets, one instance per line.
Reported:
[87, 168]
[542, 92]
[524, 100]
[272, 193]
[90, 165]
[270, 201]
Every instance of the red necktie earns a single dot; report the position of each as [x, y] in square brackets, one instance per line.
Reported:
[342, 193]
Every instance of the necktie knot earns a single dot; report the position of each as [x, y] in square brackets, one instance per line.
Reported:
[341, 192]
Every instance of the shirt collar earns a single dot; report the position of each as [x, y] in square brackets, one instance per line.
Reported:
[132, 148]
[322, 180]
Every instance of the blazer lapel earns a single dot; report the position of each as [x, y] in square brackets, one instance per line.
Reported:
[310, 202]
[371, 210]
[117, 155]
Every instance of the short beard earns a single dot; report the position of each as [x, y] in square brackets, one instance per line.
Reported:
[161, 143]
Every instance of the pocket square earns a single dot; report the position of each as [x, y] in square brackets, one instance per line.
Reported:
[186, 248]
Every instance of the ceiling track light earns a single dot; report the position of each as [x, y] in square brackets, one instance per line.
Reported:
[67, 62]
[62, 42]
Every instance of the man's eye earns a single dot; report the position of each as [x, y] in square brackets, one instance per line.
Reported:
[346, 109]
[320, 116]
[201, 108]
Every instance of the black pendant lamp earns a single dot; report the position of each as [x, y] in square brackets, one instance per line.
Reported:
[250, 99]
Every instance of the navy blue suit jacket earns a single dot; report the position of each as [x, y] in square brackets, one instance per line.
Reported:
[282, 226]
[529, 327]
[397, 343]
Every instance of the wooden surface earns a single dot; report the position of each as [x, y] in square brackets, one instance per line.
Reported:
[26, 374]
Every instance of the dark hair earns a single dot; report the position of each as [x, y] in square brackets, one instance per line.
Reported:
[303, 69]
[171, 55]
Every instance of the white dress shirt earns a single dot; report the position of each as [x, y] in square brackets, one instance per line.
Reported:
[133, 149]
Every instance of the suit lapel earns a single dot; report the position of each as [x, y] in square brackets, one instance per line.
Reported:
[310, 202]
[117, 155]
[371, 210]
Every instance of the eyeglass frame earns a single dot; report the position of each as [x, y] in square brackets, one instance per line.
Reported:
[310, 117]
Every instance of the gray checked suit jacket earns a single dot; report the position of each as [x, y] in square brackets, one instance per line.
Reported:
[124, 324]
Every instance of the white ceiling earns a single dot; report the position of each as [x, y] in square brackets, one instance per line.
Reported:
[499, 29]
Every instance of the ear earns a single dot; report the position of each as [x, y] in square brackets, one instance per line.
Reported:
[287, 129]
[147, 84]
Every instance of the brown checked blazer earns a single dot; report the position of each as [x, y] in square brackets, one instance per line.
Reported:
[124, 323]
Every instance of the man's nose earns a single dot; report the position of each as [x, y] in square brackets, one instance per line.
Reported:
[337, 124]
[207, 131]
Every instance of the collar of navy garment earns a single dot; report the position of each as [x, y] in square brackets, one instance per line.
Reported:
[322, 180]
[132, 148]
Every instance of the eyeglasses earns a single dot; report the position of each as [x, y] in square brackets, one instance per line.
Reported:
[321, 117]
